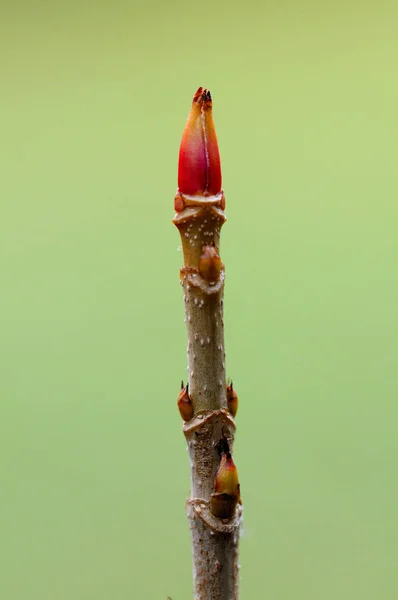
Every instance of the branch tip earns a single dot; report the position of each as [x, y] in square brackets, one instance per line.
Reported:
[202, 96]
[206, 403]
[199, 170]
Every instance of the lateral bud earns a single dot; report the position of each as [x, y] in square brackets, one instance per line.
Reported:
[210, 263]
[184, 403]
[232, 400]
[226, 489]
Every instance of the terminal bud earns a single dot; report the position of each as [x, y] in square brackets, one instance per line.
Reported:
[199, 170]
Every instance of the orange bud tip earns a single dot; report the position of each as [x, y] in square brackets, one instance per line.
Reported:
[184, 403]
[210, 264]
[232, 400]
[199, 169]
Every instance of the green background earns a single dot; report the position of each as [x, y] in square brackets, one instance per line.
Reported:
[93, 465]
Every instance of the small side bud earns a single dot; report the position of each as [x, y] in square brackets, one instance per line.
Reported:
[184, 403]
[226, 480]
[226, 489]
[210, 264]
[232, 400]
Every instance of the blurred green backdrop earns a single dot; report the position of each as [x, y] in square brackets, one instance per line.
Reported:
[94, 472]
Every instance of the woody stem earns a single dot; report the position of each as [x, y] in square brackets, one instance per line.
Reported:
[214, 540]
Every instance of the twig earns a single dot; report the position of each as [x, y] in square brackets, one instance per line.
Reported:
[206, 404]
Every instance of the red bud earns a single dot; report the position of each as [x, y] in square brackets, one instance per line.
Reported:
[199, 170]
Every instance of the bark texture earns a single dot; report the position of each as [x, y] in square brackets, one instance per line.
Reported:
[214, 540]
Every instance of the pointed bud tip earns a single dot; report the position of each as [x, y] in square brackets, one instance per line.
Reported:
[199, 170]
[232, 400]
[184, 403]
[202, 96]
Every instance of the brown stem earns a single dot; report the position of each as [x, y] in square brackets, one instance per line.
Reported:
[214, 540]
